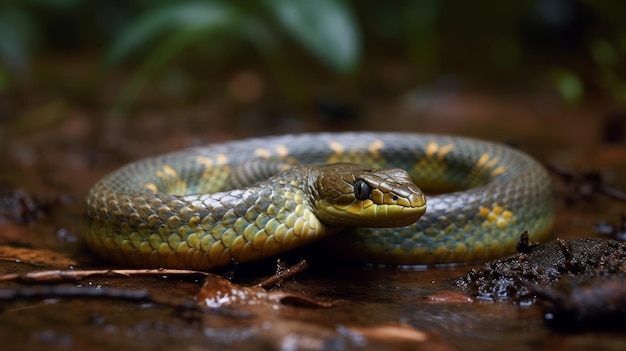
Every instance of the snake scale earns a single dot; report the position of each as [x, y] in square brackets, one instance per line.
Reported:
[205, 207]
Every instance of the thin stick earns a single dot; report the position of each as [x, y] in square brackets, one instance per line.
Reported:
[284, 274]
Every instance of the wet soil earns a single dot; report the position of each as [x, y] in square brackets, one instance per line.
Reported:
[52, 151]
[580, 281]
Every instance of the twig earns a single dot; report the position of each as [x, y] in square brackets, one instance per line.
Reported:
[137, 295]
[57, 276]
[284, 274]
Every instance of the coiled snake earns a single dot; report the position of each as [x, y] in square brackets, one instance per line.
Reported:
[205, 207]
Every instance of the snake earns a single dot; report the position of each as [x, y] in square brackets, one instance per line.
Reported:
[383, 198]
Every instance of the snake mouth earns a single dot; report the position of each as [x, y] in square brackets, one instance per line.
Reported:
[406, 211]
[406, 216]
[373, 216]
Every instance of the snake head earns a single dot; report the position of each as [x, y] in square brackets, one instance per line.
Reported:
[350, 195]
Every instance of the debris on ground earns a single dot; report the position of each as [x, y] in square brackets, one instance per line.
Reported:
[580, 281]
[21, 207]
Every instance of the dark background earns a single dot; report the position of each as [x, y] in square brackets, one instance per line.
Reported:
[87, 86]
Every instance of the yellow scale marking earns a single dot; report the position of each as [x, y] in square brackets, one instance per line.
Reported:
[354, 209]
[170, 176]
[433, 148]
[498, 170]
[496, 215]
[375, 147]
[486, 162]
[152, 187]
[167, 172]
[444, 150]
[433, 160]
[264, 153]
[337, 149]
[222, 159]
[282, 150]
[207, 162]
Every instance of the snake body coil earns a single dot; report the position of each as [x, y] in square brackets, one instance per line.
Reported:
[204, 207]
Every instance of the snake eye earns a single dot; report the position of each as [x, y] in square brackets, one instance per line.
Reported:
[362, 191]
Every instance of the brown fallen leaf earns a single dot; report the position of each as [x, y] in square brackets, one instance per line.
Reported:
[36, 257]
[217, 292]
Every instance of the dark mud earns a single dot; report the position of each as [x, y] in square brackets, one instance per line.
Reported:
[581, 282]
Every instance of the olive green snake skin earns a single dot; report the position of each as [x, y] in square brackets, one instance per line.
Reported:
[203, 208]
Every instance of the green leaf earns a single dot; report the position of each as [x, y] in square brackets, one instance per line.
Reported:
[603, 52]
[568, 84]
[197, 16]
[326, 28]
[167, 48]
[177, 27]
[16, 39]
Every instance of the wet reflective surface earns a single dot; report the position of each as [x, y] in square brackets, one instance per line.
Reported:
[372, 307]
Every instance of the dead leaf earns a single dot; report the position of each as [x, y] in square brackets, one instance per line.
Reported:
[217, 292]
[36, 257]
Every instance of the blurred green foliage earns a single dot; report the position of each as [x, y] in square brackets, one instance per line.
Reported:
[20, 33]
[326, 28]
[577, 46]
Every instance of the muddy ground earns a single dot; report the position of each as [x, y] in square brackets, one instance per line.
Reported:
[53, 149]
